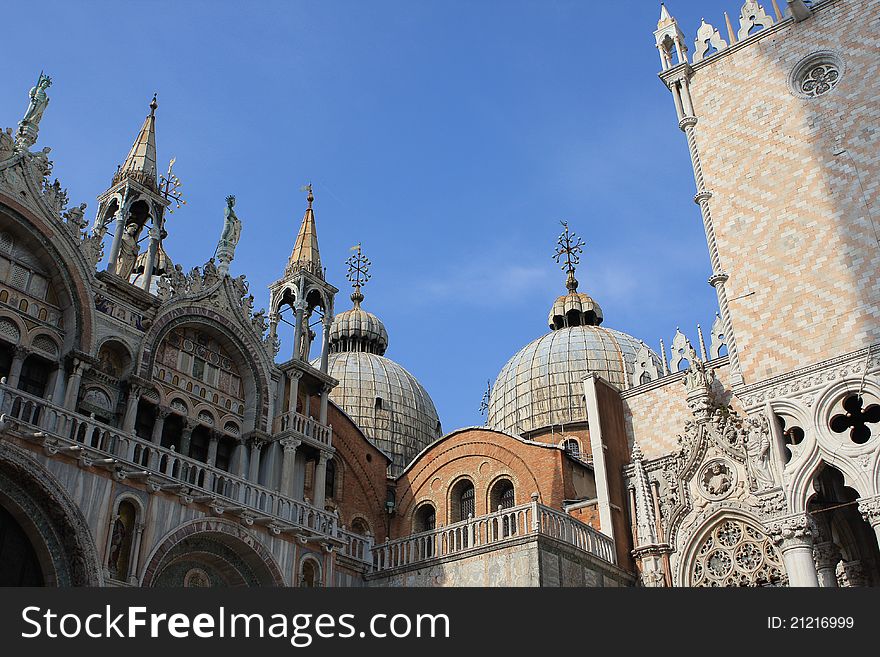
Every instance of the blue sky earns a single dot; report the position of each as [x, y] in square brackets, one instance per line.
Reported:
[450, 138]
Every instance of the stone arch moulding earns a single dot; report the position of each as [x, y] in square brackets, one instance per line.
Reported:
[73, 272]
[66, 551]
[517, 491]
[800, 485]
[254, 359]
[248, 542]
[702, 532]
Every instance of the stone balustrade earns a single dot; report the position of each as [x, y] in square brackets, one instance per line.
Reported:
[306, 427]
[129, 456]
[505, 525]
[357, 547]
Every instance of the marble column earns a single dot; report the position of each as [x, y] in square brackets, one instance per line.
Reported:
[299, 330]
[117, 241]
[212, 448]
[325, 341]
[71, 397]
[290, 446]
[294, 377]
[19, 354]
[793, 535]
[827, 556]
[131, 407]
[162, 412]
[320, 480]
[186, 437]
[325, 397]
[254, 469]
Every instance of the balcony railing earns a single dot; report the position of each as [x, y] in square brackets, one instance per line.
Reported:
[495, 528]
[307, 427]
[357, 547]
[130, 456]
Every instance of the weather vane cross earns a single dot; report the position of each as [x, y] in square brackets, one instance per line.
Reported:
[169, 186]
[358, 273]
[569, 246]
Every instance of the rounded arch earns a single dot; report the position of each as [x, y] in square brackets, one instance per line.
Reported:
[310, 571]
[461, 499]
[12, 329]
[115, 358]
[249, 355]
[361, 525]
[424, 516]
[69, 270]
[501, 492]
[51, 520]
[229, 552]
[731, 548]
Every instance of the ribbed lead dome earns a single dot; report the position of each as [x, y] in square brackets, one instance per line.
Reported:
[358, 330]
[388, 403]
[541, 385]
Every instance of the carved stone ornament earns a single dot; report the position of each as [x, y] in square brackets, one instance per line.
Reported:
[717, 479]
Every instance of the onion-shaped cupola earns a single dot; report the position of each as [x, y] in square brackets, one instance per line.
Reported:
[357, 329]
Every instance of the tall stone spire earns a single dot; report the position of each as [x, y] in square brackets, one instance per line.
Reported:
[305, 255]
[140, 165]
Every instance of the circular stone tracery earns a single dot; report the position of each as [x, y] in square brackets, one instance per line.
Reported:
[736, 554]
[816, 74]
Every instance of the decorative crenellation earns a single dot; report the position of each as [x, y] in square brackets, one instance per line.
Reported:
[753, 19]
[681, 353]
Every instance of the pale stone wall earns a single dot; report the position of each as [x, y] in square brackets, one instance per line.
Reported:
[792, 179]
[530, 562]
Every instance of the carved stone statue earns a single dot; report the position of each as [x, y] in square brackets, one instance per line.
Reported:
[75, 220]
[260, 323]
[229, 237]
[117, 540]
[758, 448]
[210, 273]
[128, 251]
[29, 126]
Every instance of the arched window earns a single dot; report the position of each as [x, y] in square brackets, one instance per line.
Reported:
[310, 576]
[359, 526]
[502, 495]
[34, 375]
[572, 446]
[425, 518]
[462, 501]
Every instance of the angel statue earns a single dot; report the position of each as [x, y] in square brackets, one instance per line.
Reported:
[229, 237]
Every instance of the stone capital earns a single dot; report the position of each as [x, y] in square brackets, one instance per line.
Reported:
[290, 444]
[687, 122]
[162, 412]
[20, 352]
[790, 532]
[870, 510]
[826, 554]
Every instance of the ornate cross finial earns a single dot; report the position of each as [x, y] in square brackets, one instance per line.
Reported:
[169, 184]
[484, 402]
[154, 105]
[358, 273]
[569, 246]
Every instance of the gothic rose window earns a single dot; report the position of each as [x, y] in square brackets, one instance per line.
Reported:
[816, 74]
[737, 554]
[820, 79]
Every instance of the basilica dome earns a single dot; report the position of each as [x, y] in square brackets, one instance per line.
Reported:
[541, 386]
[388, 403]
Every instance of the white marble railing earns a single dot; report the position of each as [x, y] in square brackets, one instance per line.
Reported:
[133, 456]
[356, 546]
[306, 426]
[495, 528]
